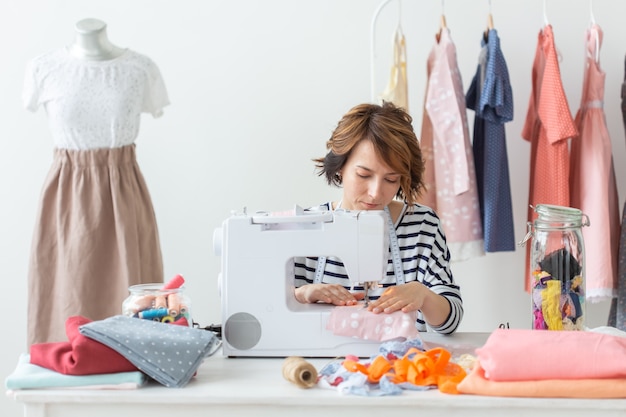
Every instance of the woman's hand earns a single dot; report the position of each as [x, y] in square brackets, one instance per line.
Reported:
[326, 293]
[410, 297]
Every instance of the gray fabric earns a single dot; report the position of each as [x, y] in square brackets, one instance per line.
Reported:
[168, 353]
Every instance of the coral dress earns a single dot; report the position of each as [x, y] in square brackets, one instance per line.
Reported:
[449, 175]
[95, 233]
[592, 179]
[548, 127]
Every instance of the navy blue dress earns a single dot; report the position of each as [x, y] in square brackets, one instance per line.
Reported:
[490, 96]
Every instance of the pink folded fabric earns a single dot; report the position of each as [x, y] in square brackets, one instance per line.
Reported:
[357, 321]
[80, 356]
[475, 383]
[524, 354]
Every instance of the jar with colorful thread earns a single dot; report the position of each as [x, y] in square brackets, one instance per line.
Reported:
[557, 267]
[166, 303]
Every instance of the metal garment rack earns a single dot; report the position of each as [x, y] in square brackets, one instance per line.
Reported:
[384, 3]
[373, 48]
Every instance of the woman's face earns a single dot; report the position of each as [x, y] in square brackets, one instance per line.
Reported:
[368, 182]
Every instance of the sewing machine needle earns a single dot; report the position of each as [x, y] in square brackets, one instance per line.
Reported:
[366, 298]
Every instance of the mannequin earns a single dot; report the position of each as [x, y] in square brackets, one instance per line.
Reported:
[92, 43]
[95, 231]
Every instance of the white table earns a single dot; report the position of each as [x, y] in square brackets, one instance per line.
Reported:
[255, 387]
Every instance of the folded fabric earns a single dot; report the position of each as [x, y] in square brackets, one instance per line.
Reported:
[29, 376]
[169, 354]
[80, 356]
[357, 321]
[524, 354]
[475, 383]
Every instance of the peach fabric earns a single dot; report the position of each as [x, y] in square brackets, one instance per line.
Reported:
[548, 127]
[524, 354]
[593, 187]
[476, 383]
[357, 321]
[449, 176]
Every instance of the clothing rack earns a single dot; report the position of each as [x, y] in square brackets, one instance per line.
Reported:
[373, 48]
[384, 3]
[377, 12]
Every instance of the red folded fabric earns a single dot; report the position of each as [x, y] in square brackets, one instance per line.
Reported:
[80, 356]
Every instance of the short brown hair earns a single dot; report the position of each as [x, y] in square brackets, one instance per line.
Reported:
[390, 130]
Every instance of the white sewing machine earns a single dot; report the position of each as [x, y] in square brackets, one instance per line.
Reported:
[260, 314]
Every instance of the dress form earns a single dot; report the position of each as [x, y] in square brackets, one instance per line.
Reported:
[91, 41]
[94, 95]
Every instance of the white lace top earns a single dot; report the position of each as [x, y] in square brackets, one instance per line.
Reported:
[94, 104]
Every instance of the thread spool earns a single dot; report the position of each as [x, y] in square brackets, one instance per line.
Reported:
[167, 319]
[176, 282]
[141, 303]
[160, 302]
[300, 372]
[173, 304]
[155, 313]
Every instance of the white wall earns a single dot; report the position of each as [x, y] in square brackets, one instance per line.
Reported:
[256, 88]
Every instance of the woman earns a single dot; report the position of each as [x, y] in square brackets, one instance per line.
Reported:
[375, 157]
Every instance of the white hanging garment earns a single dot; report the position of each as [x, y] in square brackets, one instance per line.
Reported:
[397, 87]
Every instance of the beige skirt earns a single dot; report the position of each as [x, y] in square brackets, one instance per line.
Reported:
[95, 235]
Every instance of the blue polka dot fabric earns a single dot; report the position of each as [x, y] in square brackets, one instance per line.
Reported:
[168, 353]
[490, 96]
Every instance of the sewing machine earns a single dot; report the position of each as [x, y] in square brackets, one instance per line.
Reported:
[260, 314]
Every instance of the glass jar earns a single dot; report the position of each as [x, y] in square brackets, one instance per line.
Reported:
[152, 302]
[557, 268]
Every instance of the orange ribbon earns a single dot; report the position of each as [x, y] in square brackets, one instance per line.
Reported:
[432, 367]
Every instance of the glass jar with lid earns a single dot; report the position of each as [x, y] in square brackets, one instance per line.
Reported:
[154, 302]
[557, 268]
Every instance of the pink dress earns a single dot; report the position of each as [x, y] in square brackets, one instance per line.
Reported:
[449, 176]
[548, 127]
[592, 178]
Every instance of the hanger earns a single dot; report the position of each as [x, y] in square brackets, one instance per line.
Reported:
[592, 23]
[546, 23]
[442, 22]
[489, 23]
[372, 43]
[399, 32]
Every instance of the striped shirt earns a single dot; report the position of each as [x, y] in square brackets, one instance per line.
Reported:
[425, 258]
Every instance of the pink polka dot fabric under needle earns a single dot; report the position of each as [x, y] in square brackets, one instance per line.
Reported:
[357, 321]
